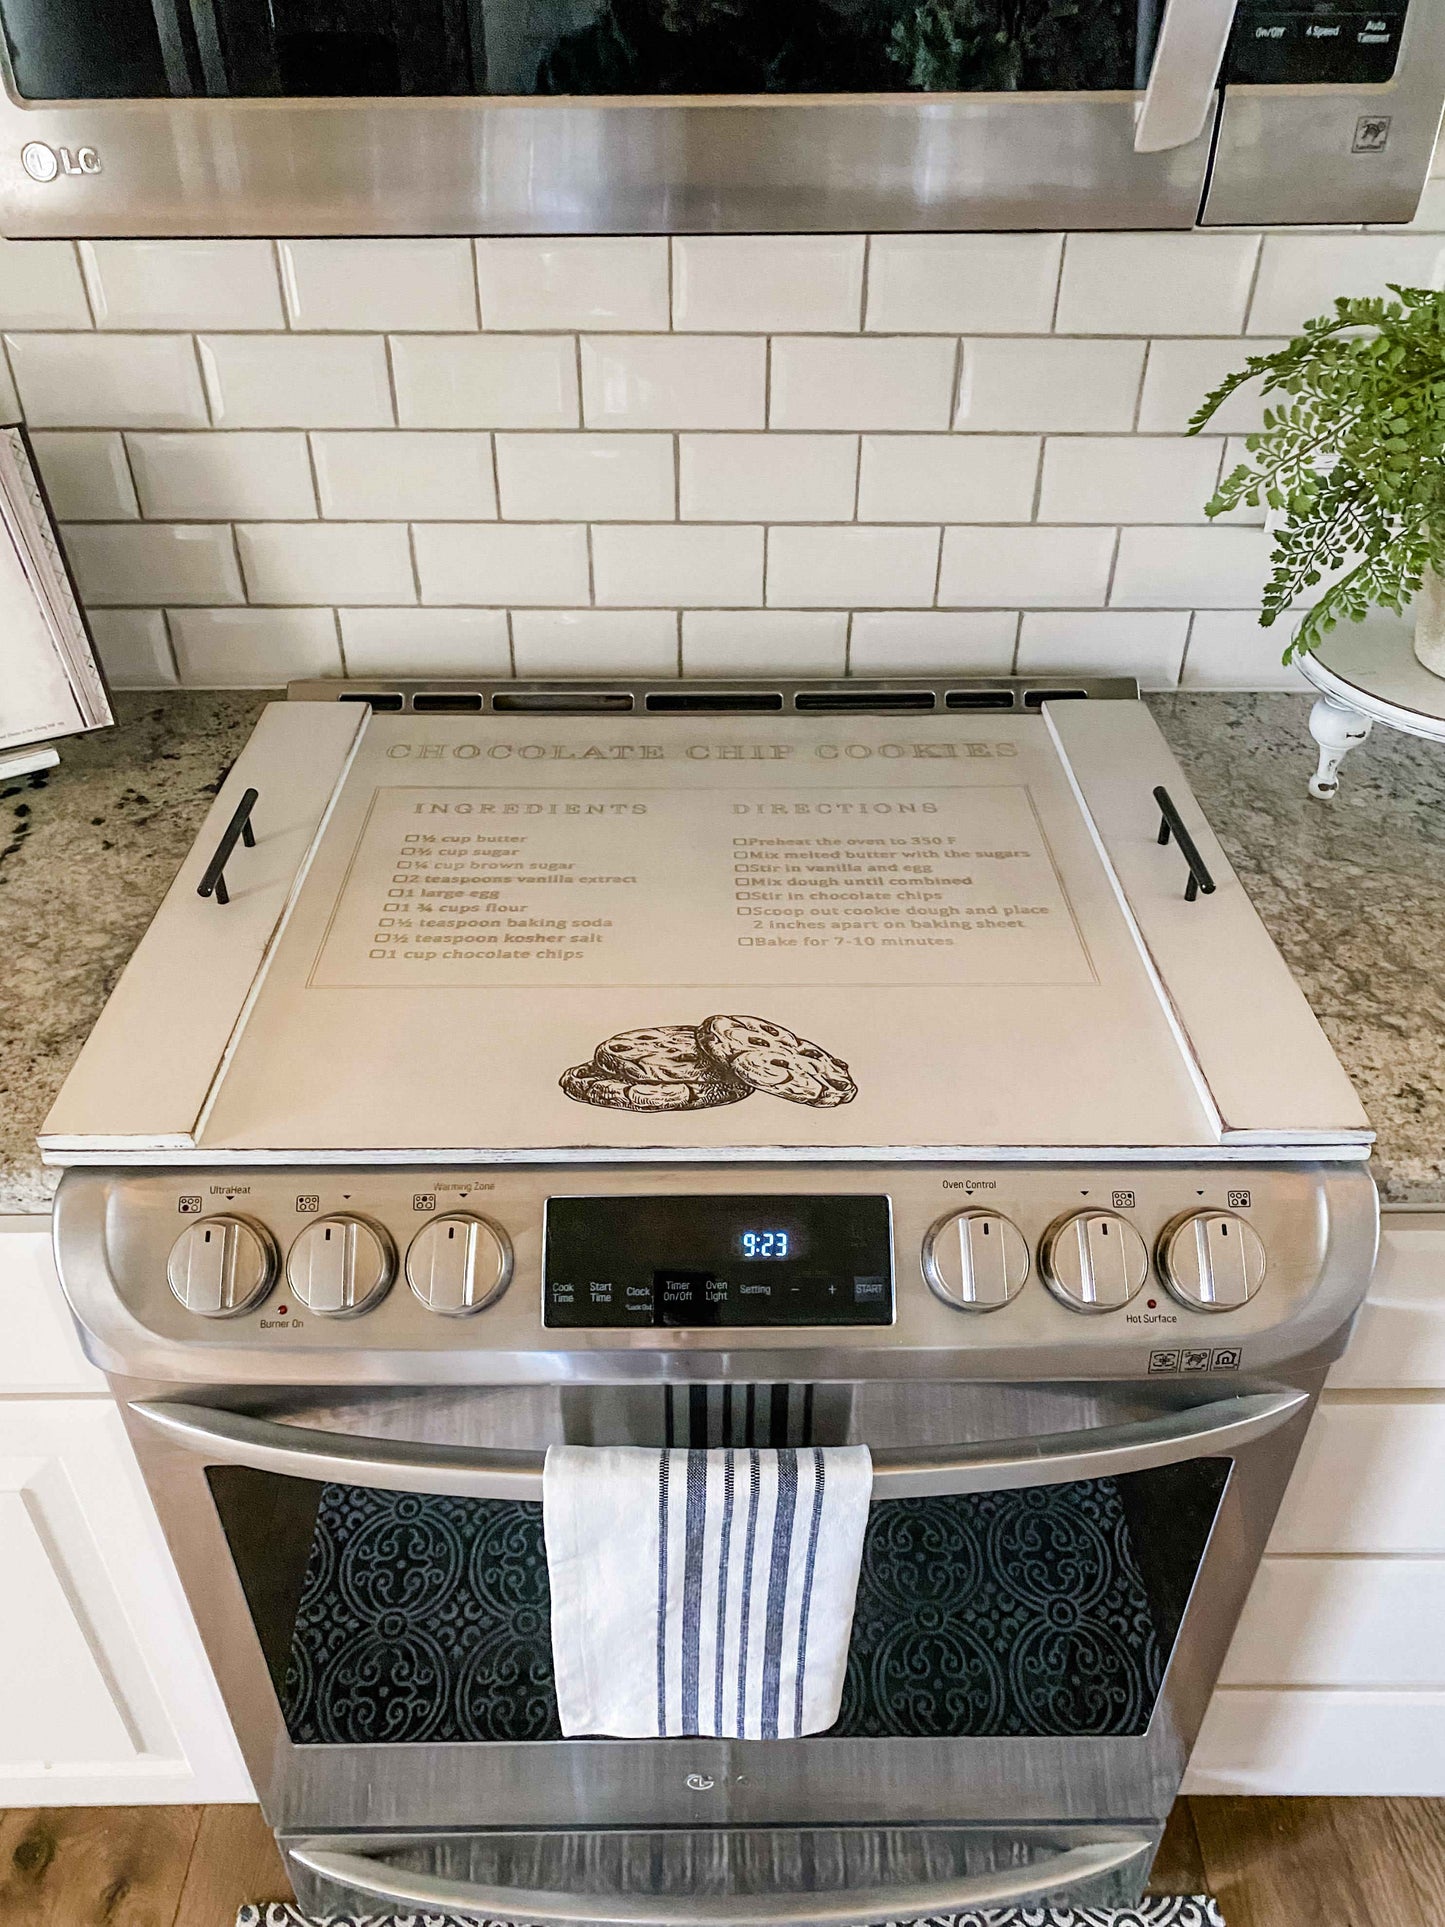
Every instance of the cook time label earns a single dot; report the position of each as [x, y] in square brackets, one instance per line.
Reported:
[768, 885]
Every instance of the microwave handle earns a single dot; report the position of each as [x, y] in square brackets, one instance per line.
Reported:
[1004, 1887]
[1222, 1425]
[1187, 55]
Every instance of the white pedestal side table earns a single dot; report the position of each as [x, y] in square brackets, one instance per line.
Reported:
[1366, 673]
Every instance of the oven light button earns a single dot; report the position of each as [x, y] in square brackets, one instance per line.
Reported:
[975, 1260]
[340, 1266]
[1211, 1260]
[1093, 1260]
[221, 1266]
[458, 1264]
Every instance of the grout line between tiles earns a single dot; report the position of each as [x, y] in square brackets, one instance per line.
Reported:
[591, 572]
[340, 641]
[1253, 285]
[511, 643]
[1013, 660]
[863, 283]
[1113, 567]
[171, 643]
[78, 250]
[391, 381]
[582, 421]
[496, 475]
[316, 501]
[125, 450]
[938, 570]
[415, 564]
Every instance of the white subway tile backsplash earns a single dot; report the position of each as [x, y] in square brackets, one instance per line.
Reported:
[640, 568]
[396, 475]
[768, 478]
[673, 381]
[134, 648]
[764, 642]
[379, 285]
[1057, 386]
[41, 286]
[948, 478]
[574, 281]
[588, 478]
[9, 400]
[1127, 478]
[182, 284]
[425, 642]
[1181, 373]
[142, 564]
[1191, 568]
[1156, 284]
[767, 283]
[595, 642]
[333, 562]
[291, 381]
[1229, 650]
[1105, 642]
[254, 648]
[831, 383]
[265, 474]
[86, 475]
[956, 284]
[929, 642]
[478, 381]
[859, 568]
[114, 381]
[1040, 568]
[501, 564]
[1301, 274]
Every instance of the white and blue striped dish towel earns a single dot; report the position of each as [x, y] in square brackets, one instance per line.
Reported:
[703, 1592]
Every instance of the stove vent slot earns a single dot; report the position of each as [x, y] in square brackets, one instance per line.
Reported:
[377, 698]
[979, 699]
[1036, 698]
[563, 701]
[865, 701]
[428, 702]
[711, 702]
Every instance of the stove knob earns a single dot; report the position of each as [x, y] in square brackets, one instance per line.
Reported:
[221, 1266]
[1211, 1260]
[975, 1260]
[340, 1266]
[1093, 1260]
[458, 1264]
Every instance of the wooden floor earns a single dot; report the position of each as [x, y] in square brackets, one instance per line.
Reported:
[1271, 1863]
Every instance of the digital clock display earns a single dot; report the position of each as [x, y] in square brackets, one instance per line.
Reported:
[697, 1262]
[770, 1243]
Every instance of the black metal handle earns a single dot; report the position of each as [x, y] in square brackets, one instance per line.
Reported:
[238, 830]
[1171, 823]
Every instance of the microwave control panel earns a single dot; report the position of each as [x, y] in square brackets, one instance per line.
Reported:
[1315, 42]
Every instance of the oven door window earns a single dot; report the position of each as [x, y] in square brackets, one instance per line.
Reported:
[392, 1617]
[91, 49]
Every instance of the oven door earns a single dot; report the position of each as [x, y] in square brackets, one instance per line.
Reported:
[1050, 1579]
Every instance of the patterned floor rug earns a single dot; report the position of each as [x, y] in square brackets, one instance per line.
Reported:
[1169, 1910]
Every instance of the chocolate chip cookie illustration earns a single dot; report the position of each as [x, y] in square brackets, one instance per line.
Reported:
[767, 1057]
[668, 1054]
[693, 1067]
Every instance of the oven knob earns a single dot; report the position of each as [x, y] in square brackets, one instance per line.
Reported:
[975, 1260]
[221, 1266]
[458, 1264]
[340, 1266]
[1093, 1260]
[1211, 1260]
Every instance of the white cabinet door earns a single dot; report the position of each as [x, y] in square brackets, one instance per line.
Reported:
[105, 1694]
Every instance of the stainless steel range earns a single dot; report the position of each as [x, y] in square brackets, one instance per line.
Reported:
[713, 1064]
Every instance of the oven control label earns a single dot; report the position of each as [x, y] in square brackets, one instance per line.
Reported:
[618, 887]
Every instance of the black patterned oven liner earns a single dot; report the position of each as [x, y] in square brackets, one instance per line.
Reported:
[1005, 1613]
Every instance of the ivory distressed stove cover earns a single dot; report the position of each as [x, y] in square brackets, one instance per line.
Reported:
[837, 935]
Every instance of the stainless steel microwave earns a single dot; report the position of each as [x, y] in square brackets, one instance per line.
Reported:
[177, 117]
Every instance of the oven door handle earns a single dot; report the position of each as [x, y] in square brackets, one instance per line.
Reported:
[1008, 1887]
[1187, 56]
[1222, 1425]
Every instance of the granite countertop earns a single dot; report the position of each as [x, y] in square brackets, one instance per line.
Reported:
[1352, 891]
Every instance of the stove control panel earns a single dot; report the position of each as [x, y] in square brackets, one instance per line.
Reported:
[250, 1273]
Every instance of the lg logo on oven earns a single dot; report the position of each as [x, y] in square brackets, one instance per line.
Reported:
[44, 163]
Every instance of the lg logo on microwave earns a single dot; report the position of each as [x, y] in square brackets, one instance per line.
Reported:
[44, 163]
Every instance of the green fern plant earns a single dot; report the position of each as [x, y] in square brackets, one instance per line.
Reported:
[1351, 458]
